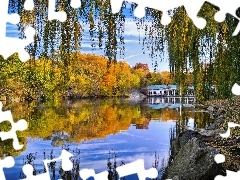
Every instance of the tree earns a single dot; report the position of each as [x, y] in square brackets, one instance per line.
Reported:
[166, 77]
[142, 66]
[187, 46]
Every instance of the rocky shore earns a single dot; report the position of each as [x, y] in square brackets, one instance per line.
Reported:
[192, 152]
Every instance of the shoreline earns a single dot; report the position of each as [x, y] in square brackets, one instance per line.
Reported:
[192, 152]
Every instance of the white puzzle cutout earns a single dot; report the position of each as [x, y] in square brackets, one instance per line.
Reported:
[20, 125]
[7, 49]
[29, 5]
[230, 175]
[7, 162]
[76, 3]
[138, 168]
[220, 158]
[87, 173]
[67, 165]
[192, 9]
[60, 15]
[228, 132]
[10, 45]
[236, 89]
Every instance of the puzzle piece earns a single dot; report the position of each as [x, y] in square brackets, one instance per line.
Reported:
[76, 3]
[29, 5]
[87, 173]
[60, 15]
[236, 89]
[229, 7]
[6, 163]
[67, 165]
[191, 9]
[230, 125]
[226, 7]
[138, 168]
[231, 175]
[220, 158]
[18, 126]
[165, 6]
[52, 14]
[9, 45]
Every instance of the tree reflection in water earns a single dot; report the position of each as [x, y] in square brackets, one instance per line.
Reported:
[82, 121]
[87, 120]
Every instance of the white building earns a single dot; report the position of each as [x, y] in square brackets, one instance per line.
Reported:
[164, 90]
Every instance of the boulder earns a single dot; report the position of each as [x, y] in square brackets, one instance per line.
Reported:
[192, 159]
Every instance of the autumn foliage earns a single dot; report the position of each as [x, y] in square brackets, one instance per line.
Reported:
[86, 75]
[85, 120]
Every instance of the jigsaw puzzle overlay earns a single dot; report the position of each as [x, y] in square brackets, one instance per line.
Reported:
[192, 9]
[67, 165]
[6, 50]
[220, 158]
[18, 126]
[6, 45]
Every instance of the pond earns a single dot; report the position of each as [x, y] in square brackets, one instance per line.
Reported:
[97, 132]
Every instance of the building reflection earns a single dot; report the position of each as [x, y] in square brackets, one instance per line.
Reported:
[170, 100]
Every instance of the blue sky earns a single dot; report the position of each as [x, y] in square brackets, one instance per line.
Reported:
[133, 50]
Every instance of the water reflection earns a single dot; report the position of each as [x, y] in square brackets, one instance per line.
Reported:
[169, 102]
[95, 127]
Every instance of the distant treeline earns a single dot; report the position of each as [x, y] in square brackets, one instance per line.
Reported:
[86, 75]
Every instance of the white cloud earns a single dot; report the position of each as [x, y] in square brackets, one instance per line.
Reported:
[101, 164]
[86, 44]
[128, 5]
[130, 28]
[97, 52]
[130, 41]
[131, 56]
[133, 48]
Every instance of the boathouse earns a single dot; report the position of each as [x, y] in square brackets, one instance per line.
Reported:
[167, 90]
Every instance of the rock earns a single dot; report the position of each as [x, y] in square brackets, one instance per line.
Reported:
[191, 159]
[210, 109]
[206, 132]
[216, 122]
[176, 178]
[220, 112]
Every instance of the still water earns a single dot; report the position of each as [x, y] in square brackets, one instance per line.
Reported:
[97, 132]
